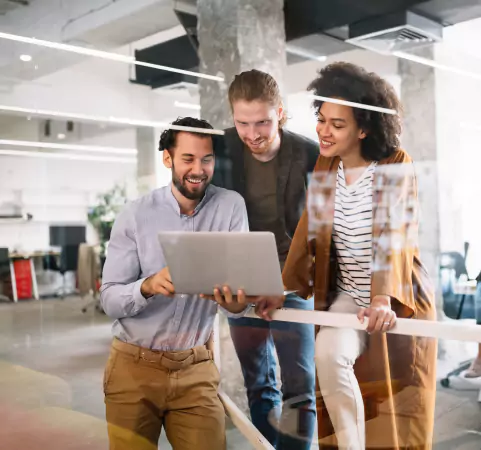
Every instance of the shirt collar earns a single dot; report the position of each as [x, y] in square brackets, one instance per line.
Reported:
[209, 192]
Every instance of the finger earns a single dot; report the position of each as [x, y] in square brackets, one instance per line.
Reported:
[382, 322]
[268, 308]
[387, 322]
[361, 315]
[372, 320]
[260, 307]
[241, 297]
[393, 321]
[218, 296]
[162, 291]
[168, 286]
[228, 298]
[207, 297]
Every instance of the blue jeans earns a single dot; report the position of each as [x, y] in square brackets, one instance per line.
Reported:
[255, 341]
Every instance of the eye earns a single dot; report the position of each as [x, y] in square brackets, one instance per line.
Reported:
[207, 159]
[320, 120]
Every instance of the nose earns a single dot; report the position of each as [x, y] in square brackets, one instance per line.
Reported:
[197, 167]
[252, 133]
[323, 129]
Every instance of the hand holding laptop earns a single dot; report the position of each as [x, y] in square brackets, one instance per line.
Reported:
[264, 305]
[232, 303]
[159, 283]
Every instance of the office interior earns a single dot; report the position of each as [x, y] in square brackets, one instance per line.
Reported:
[79, 129]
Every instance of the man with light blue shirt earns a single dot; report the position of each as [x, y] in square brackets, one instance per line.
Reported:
[160, 372]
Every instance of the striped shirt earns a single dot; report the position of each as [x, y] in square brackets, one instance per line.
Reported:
[352, 234]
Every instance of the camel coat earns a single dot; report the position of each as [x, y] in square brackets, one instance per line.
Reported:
[397, 374]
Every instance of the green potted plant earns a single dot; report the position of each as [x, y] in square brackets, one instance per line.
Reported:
[102, 215]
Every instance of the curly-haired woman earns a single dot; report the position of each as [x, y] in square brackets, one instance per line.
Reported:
[356, 251]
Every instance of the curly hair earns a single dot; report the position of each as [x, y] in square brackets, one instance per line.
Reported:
[352, 83]
[168, 138]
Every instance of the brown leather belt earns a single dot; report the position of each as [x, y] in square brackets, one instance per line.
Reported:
[170, 360]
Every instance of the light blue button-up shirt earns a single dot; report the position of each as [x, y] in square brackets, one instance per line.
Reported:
[134, 253]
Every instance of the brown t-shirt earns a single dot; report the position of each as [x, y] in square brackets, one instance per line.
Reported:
[261, 200]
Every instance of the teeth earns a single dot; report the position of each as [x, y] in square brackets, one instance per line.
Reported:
[192, 180]
[326, 143]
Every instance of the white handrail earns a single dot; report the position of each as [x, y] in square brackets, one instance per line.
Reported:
[244, 425]
[411, 327]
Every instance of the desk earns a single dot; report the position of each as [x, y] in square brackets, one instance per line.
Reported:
[16, 256]
[464, 288]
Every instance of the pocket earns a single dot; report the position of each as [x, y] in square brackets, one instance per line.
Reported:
[109, 368]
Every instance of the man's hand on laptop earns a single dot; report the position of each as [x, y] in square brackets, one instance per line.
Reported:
[160, 283]
[232, 303]
[265, 305]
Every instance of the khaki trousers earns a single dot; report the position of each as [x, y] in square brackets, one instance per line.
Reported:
[146, 390]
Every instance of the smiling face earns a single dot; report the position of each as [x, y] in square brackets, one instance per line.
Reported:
[338, 131]
[257, 124]
[192, 163]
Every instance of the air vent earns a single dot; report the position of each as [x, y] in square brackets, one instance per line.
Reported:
[396, 32]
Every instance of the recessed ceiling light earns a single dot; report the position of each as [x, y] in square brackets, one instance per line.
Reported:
[60, 136]
[107, 120]
[105, 55]
[80, 148]
[25, 58]
[436, 65]
[68, 156]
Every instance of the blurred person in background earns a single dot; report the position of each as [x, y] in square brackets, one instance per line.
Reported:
[269, 166]
[356, 250]
[160, 373]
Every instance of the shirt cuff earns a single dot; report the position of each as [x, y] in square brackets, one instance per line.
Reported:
[140, 301]
[239, 315]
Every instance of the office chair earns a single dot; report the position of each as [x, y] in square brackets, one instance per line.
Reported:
[68, 238]
[452, 268]
[5, 274]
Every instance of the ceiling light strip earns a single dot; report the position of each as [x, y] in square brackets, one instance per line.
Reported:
[108, 120]
[68, 156]
[187, 105]
[436, 65]
[102, 54]
[80, 148]
[353, 104]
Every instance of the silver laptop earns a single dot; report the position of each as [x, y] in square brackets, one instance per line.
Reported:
[199, 261]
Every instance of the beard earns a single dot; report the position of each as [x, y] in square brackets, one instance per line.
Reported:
[264, 147]
[190, 192]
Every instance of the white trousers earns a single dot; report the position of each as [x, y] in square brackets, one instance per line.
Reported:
[336, 352]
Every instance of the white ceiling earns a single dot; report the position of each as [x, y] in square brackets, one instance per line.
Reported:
[10, 5]
[89, 23]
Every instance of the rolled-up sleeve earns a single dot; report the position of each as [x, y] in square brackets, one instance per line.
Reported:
[120, 292]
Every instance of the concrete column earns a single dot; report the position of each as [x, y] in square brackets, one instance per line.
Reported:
[151, 172]
[146, 160]
[418, 95]
[234, 36]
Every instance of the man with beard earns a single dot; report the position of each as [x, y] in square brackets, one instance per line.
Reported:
[160, 372]
[269, 167]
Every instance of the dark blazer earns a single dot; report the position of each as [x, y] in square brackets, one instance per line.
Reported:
[297, 158]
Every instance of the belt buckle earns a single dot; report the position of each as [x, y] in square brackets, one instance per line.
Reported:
[142, 356]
